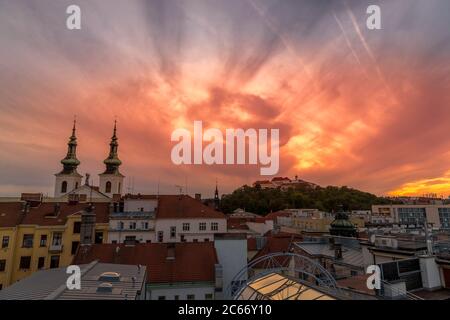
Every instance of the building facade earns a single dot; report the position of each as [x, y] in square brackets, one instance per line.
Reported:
[436, 215]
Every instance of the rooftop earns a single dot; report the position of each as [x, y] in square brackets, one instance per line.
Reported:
[47, 213]
[166, 263]
[51, 284]
[279, 287]
[184, 206]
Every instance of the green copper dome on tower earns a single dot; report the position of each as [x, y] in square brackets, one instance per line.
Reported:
[341, 226]
[70, 162]
[113, 162]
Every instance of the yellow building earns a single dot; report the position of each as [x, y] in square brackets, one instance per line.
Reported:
[42, 235]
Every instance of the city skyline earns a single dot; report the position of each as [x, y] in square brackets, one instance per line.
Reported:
[364, 108]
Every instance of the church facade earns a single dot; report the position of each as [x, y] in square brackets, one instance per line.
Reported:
[68, 180]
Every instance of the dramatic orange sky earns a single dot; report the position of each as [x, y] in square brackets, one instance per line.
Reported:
[366, 109]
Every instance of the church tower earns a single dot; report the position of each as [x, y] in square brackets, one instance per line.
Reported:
[216, 198]
[68, 179]
[111, 181]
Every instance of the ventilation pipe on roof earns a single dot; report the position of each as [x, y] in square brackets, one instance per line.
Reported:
[56, 208]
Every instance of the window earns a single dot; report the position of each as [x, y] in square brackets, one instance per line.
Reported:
[132, 225]
[77, 227]
[119, 188]
[191, 297]
[173, 232]
[57, 239]
[130, 239]
[176, 297]
[2, 265]
[162, 298]
[183, 239]
[144, 225]
[25, 262]
[148, 241]
[98, 237]
[5, 242]
[43, 241]
[444, 217]
[416, 216]
[208, 296]
[108, 187]
[27, 241]
[121, 225]
[54, 262]
[114, 242]
[74, 247]
[160, 236]
[41, 262]
[1, 286]
[195, 240]
[214, 226]
[202, 226]
[206, 239]
[186, 226]
[76, 185]
[64, 187]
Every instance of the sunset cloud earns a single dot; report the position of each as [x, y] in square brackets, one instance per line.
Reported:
[367, 109]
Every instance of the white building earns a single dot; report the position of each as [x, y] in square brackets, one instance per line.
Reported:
[438, 216]
[181, 218]
[232, 255]
[132, 220]
[164, 218]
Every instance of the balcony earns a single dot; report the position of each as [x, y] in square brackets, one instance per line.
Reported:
[55, 248]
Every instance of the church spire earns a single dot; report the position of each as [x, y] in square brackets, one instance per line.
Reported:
[216, 197]
[113, 162]
[70, 162]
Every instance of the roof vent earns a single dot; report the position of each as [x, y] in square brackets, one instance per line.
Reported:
[105, 287]
[109, 276]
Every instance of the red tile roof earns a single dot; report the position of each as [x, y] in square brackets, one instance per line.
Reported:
[276, 243]
[357, 283]
[193, 262]
[274, 215]
[251, 244]
[43, 214]
[281, 179]
[183, 206]
[236, 224]
[10, 213]
[141, 196]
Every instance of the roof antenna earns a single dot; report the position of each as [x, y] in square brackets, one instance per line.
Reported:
[157, 195]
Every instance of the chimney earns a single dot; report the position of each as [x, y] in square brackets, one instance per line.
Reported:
[25, 207]
[338, 251]
[331, 241]
[170, 251]
[87, 231]
[56, 208]
[198, 196]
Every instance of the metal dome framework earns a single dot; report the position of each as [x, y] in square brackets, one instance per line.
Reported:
[293, 265]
